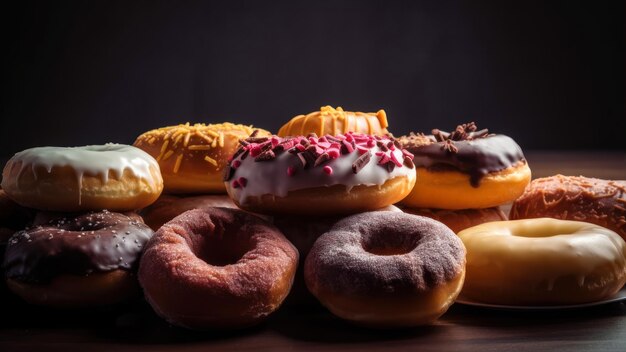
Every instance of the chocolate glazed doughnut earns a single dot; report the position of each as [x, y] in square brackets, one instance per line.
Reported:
[386, 269]
[75, 262]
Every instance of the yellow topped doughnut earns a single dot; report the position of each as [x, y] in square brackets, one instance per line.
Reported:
[192, 157]
[335, 121]
[542, 262]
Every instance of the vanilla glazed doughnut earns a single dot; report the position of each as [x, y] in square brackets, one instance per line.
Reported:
[465, 169]
[600, 202]
[75, 261]
[217, 268]
[542, 262]
[192, 157]
[386, 269]
[336, 121]
[116, 177]
[329, 175]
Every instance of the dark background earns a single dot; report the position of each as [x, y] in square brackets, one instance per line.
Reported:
[549, 74]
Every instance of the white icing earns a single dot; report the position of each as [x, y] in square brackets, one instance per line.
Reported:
[270, 177]
[92, 160]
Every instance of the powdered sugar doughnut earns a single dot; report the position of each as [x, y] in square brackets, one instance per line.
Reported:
[386, 269]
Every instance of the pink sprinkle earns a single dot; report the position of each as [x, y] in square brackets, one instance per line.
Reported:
[333, 153]
[323, 139]
[323, 144]
[395, 160]
[383, 159]
[235, 184]
[348, 146]
[328, 170]
[313, 140]
[408, 153]
[291, 171]
[236, 164]
[275, 141]
[349, 137]
[319, 150]
[371, 143]
[380, 153]
[300, 147]
[255, 150]
[361, 149]
[242, 181]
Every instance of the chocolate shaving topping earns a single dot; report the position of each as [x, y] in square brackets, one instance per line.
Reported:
[382, 146]
[390, 166]
[265, 156]
[309, 158]
[228, 173]
[257, 139]
[321, 159]
[449, 146]
[361, 162]
[254, 134]
[408, 162]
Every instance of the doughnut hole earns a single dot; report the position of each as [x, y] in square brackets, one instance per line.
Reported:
[388, 242]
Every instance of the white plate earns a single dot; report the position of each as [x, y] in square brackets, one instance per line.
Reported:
[619, 297]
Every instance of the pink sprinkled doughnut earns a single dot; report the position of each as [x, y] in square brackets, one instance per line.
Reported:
[217, 268]
[386, 269]
[321, 176]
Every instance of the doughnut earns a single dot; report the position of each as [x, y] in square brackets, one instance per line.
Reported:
[83, 261]
[542, 262]
[592, 200]
[329, 175]
[192, 157]
[386, 269]
[168, 207]
[116, 177]
[217, 268]
[302, 232]
[458, 220]
[465, 169]
[336, 121]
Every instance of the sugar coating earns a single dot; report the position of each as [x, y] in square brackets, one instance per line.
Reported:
[340, 262]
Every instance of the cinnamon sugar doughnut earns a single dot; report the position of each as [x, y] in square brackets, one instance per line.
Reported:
[217, 268]
[386, 269]
[600, 202]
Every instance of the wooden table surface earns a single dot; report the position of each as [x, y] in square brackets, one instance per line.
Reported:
[462, 328]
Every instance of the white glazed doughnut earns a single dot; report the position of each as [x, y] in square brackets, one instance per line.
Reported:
[116, 177]
[542, 262]
[339, 174]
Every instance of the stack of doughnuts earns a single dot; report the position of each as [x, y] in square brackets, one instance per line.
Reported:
[464, 175]
[192, 160]
[83, 245]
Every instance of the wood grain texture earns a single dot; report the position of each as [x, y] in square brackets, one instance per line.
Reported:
[136, 328]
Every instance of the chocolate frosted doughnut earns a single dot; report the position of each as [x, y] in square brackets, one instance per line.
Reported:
[386, 269]
[92, 250]
[600, 202]
[217, 268]
[465, 169]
